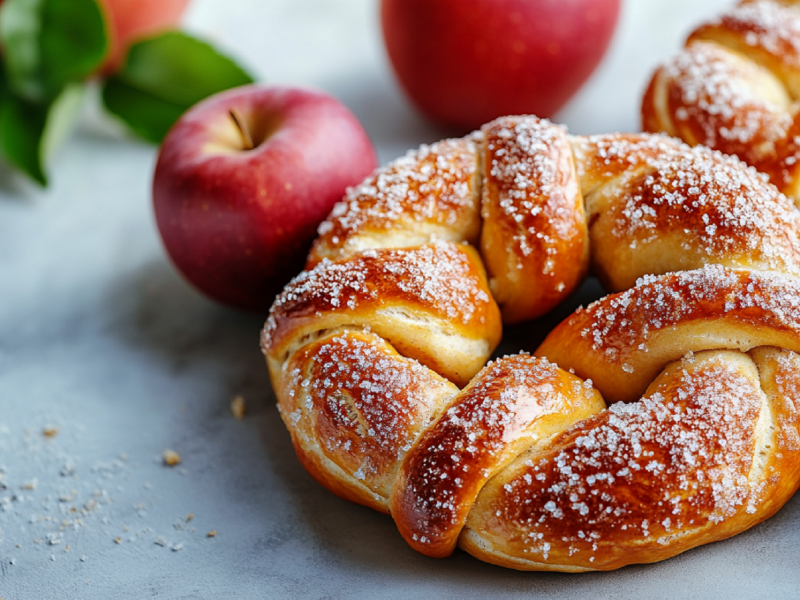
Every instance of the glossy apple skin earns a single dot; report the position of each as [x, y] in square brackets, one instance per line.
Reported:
[131, 20]
[466, 62]
[238, 223]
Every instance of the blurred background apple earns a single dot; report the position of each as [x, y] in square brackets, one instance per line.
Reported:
[465, 62]
[131, 20]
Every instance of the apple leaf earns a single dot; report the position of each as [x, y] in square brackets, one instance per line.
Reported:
[22, 125]
[165, 75]
[48, 44]
[62, 115]
[29, 131]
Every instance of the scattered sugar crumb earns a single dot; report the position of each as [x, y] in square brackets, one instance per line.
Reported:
[171, 458]
[238, 407]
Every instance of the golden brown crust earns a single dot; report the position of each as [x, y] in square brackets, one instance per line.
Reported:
[432, 302]
[534, 238]
[523, 467]
[622, 341]
[766, 32]
[707, 75]
[734, 88]
[601, 160]
[655, 206]
[639, 482]
[431, 193]
[511, 404]
[355, 406]
[780, 380]
[784, 171]
[684, 209]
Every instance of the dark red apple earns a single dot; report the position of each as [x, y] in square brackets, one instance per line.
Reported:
[244, 178]
[466, 62]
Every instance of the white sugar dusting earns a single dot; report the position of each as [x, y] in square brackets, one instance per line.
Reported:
[720, 207]
[438, 277]
[767, 25]
[529, 170]
[663, 464]
[366, 403]
[474, 436]
[733, 87]
[673, 462]
[787, 380]
[432, 184]
[522, 163]
[55, 504]
[718, 93]
[658, 303]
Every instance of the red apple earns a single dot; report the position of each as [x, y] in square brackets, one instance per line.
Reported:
[466, 62]
[244, 178]
[131, 20]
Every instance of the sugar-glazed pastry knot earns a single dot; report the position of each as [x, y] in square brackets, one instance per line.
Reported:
[735, 87]
[377, 352]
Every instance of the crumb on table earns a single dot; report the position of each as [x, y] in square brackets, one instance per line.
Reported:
[171, 458]
[238, 407]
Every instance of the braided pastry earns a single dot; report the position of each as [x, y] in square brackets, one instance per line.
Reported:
[524, 467]
[735, 88]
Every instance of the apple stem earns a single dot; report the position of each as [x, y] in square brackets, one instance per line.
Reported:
[244, 131]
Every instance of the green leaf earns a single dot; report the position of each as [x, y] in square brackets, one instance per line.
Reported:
[29, 131]
[163, 77]
[62, 115]
[22, 125]
[149, 116]
[50, 43]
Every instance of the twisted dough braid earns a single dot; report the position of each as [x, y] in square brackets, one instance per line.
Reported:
[735, 88]
[524, 467]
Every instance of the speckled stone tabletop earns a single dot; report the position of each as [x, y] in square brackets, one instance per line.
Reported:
[106, 349]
